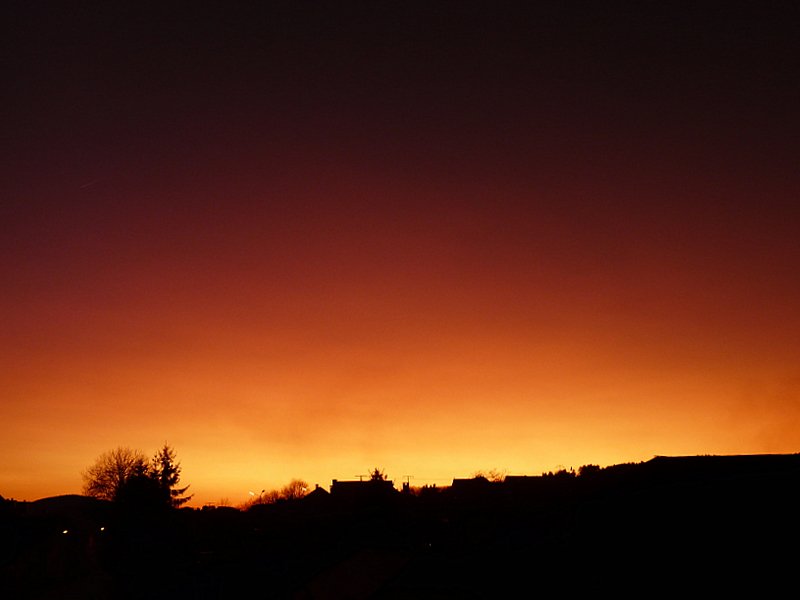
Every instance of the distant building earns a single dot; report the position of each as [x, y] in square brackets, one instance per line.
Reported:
[369, 489]
[475, 487]
[317, 492]
[316, 498]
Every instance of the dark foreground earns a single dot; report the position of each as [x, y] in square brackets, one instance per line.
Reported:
[686, 526]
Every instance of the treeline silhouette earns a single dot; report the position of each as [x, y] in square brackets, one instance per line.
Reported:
[671, 525]
[125, 476]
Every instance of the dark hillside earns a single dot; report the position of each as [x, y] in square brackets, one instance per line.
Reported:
[672, 524]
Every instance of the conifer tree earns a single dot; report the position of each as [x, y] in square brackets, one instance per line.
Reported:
[165, 469]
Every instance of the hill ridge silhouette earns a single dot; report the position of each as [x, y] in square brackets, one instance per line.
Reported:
[712, 522]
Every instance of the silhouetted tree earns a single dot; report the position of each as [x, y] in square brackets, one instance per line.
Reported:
[111, 470]
[588, 470]
[142, 493]
[561, 474]
[166, 471]
[294, 490]
[126, 475]
[377, 475]
[493, 475]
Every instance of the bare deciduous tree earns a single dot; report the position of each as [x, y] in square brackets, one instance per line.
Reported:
[111, 470]
[294, 490]
[493, 475]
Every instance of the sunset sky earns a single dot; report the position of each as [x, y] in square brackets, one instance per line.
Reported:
[434, 237]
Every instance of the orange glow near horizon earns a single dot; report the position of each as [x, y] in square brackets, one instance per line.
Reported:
[380, 244]
[373, 351]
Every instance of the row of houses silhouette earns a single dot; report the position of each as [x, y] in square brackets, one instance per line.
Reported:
[659, 470]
